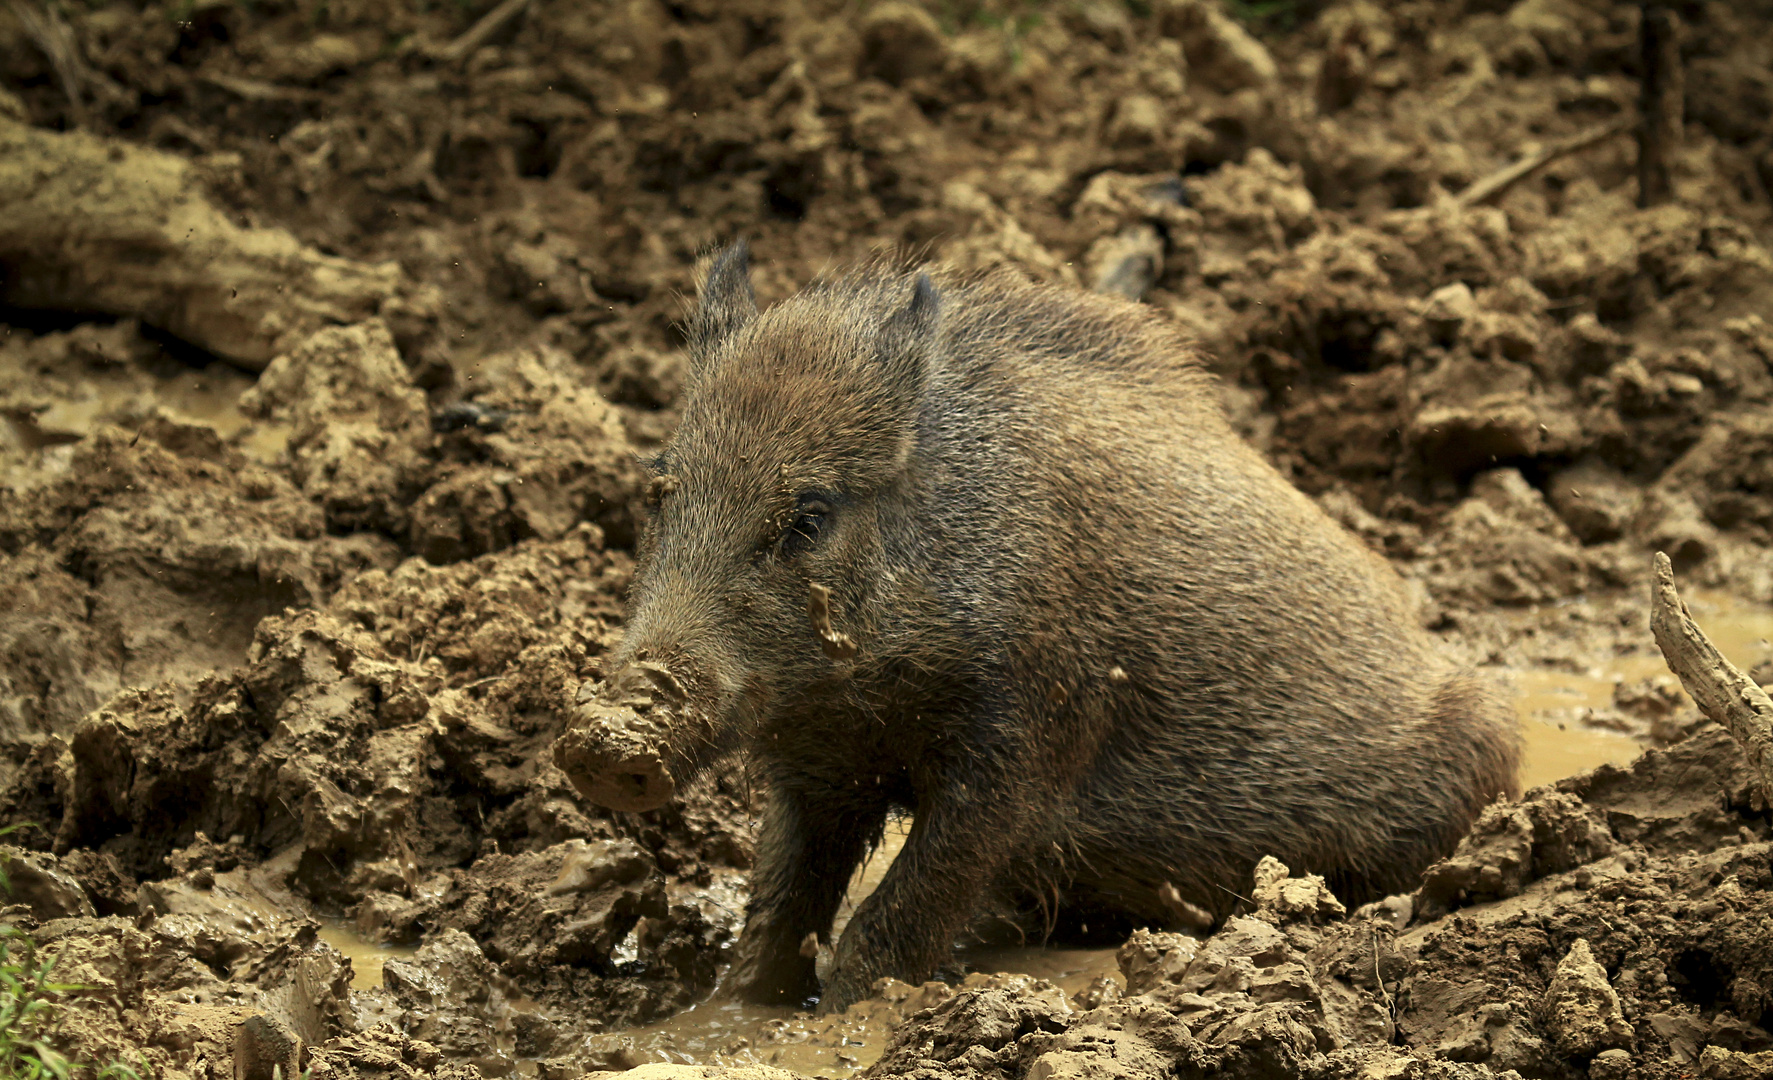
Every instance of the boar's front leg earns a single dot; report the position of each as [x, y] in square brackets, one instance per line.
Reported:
[808, 849]
[960, 838]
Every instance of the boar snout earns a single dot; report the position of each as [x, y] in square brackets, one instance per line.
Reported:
[614, 751]
[614, 761]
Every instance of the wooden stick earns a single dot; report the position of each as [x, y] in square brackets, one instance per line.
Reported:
[1723, 692]
[1482, 191]
[1662, 101]
[477, 35]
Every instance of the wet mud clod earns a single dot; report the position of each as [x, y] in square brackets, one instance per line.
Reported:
[836, 644]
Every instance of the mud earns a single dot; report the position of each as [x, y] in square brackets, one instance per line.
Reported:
[294, 592]
[1603, 707]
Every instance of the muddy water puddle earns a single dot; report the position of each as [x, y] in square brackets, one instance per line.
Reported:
[1570, 720]
[728, 1033]
[367, 957]
[35, 417]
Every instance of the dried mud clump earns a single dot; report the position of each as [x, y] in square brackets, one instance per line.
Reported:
[358, 426]
[373, 748]
[171, 989]
[525, 452]
[301, 648]
[528, 452]
[118, 572]
[372, 730]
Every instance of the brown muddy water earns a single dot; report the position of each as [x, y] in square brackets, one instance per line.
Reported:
[207, 397]
[1567, 718]
[366, 957]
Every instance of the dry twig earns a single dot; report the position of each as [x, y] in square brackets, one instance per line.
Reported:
[1723, 692]
[1489, 187]
[836, 644]
[1181, 911]
[1379, 978]
[478, 34]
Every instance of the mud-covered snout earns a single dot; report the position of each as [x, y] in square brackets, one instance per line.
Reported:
[612, 757]
[617, 746]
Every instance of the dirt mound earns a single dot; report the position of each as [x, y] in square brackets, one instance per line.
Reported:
[374, 749]
[300, 648]
[118, 575]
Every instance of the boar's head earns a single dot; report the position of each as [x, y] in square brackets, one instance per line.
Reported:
[779, 510]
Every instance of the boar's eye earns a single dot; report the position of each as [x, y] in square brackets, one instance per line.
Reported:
[810, 516]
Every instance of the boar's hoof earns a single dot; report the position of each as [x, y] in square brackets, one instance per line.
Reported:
[614, 766]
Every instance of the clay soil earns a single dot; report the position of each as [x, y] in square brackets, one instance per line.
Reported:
[330, 331]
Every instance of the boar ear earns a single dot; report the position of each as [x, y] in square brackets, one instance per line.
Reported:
[725, 303]
[907, 338]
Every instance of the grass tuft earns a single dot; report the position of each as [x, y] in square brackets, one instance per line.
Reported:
[30, 1014]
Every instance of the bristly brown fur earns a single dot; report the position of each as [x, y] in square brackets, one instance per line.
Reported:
[1102, 644]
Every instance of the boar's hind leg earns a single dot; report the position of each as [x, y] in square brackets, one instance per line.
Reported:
[959, 842]
[805, 856]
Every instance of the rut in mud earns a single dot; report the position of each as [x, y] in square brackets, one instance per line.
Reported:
[332, 330]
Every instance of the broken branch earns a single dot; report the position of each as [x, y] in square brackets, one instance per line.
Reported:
[481, 32]
[1489, 187]
[1725, 695]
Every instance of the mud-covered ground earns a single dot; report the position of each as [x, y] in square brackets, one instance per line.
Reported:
[331, 330]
